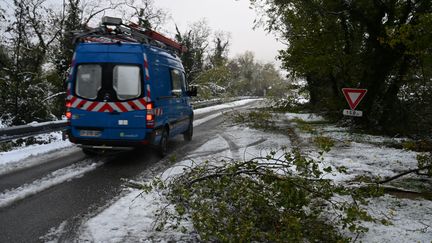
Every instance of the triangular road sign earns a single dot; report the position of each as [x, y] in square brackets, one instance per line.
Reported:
[354, 96]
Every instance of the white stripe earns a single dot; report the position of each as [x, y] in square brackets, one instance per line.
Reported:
[115, 107]
[57, 177]
[127, 106]
[138, 104]
[87, 105]
[69, 97]
[147, 73]
[99, 106]
[147, 99]
[77, 101]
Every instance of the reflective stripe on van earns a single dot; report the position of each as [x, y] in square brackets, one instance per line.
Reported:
[96, 106]
[146, 68]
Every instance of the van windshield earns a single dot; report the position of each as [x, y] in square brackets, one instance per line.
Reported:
[88, 81]
[127, 82]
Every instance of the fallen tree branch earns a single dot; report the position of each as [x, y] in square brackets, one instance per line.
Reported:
[417, 171]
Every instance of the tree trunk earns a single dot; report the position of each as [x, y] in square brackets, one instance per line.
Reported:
[391, 112]
[378, 66]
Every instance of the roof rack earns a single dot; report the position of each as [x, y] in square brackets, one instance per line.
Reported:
[126, 33]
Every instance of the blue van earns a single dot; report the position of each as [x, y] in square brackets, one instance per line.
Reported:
[125, 93]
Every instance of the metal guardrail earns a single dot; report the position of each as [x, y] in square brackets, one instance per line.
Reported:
[10, 133]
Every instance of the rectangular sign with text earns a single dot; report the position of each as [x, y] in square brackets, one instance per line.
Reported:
[352, 113]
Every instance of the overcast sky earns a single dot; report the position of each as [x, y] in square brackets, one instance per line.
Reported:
[233, 16]
[228, 15]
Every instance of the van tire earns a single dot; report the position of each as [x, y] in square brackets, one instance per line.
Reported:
[163, 144]
[187, 136]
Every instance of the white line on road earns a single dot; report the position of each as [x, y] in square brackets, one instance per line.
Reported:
[54, 178]
[206, 119]
[218, 108]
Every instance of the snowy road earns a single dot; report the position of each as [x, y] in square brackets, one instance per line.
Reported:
[39, 191]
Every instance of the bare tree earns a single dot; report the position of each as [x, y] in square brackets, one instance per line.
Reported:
[219, 55]
[145, 13]
[195, 39]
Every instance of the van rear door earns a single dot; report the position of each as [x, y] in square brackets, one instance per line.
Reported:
[109, 102]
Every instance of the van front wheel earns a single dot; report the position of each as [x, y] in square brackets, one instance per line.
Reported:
[187, 136]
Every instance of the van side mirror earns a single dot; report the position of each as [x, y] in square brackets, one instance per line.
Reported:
[192, 91]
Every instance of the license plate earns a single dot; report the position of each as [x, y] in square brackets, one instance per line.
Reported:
[89, 133]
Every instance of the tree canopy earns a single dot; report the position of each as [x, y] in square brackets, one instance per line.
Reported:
[36, 51]
[381, 45]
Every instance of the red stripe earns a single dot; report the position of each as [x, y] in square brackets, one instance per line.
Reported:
[82, 103]
[132, 105]
[93, 105]
[73, 99]
[121, 107]
[143, 102]
[106, 107]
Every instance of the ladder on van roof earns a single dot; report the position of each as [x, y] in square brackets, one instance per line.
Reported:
[126, 33]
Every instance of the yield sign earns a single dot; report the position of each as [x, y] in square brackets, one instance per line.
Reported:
[354, 96]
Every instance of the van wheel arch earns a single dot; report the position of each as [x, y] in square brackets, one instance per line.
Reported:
[187, 135]
[163, 143]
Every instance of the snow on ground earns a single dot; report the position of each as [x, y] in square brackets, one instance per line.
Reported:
[224, 106]
[309, 117]
[131, 218]
[28, 156]
[370, 160]
[411, 221]
[36, 149]
[369, 155]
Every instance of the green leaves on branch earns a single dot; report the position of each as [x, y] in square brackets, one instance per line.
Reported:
[276, 198]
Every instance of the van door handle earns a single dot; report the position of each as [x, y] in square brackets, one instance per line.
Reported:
[115, 113]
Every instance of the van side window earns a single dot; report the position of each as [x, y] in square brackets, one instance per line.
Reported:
[127, 82]
[88, 80]
[178, 80]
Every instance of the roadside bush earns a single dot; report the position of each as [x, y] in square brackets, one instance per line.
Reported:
[23, 142]
[425, 163]
[324, 143]
[288, 104]
[261, 119]
[304, 126]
